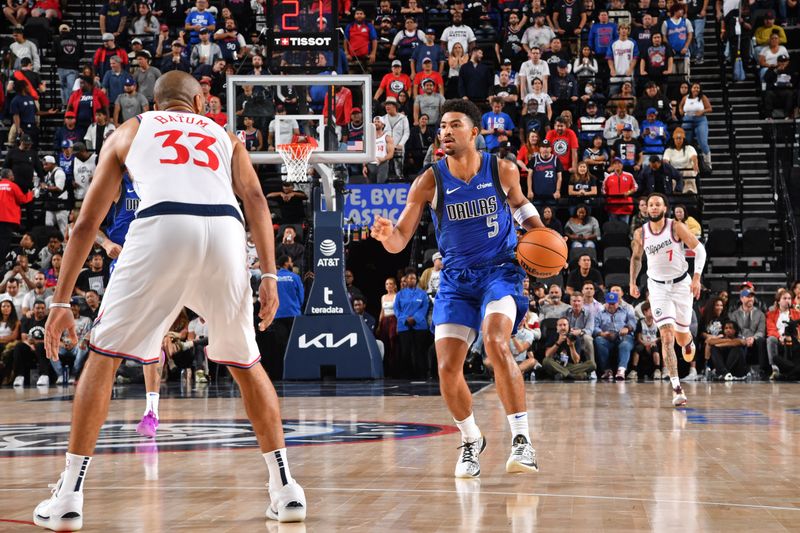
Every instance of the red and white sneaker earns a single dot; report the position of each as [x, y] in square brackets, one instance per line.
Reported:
[678, 397]
[688, 352]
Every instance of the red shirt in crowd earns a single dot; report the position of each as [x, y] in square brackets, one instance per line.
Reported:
[220, 118]
[11, 197]
[438, 82]
[392, 85]
[563, 145]
[614, 186]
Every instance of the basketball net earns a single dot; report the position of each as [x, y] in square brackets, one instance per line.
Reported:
[295, 156]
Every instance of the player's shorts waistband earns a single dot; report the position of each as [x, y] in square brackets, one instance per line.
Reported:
[198, 210]
[496, 261]
[670, 282]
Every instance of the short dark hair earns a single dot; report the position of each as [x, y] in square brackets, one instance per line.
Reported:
[646, 306]
[410, 270]
[282, 260]
[658, 195]
[466, 107]
[359, 299]
[39, 302]
[732, 323]
[588, 282]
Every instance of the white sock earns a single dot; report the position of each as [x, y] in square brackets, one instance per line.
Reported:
[278, 465]
[152, 403]
[74, 473]
[676, 382]
[519, 425]
[469, 429]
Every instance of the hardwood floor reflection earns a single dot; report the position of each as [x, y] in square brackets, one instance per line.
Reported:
[613, 457]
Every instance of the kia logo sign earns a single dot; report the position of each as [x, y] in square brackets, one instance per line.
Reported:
[326, 340]
[327, 247]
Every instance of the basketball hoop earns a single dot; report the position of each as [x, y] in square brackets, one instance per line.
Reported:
[295, 156]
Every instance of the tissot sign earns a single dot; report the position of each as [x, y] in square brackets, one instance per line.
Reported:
[302, 42]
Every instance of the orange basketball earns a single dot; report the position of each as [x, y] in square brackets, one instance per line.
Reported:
[542, 252]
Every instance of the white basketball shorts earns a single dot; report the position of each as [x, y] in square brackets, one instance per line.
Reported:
[172, 261]
[671, 303]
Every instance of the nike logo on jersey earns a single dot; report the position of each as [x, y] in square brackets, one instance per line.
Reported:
[451, 191]
[130, 191]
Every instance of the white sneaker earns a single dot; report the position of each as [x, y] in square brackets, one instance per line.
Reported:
[633, 375]
[60, 513]
[287, 504]
[692, 375]
[688, 353]
[44, 381]
[468, 465]
[19, 381]
[728, 377]
[523, 456]
[593, 376]
[775, 373]
[60, 380]
[657, 375]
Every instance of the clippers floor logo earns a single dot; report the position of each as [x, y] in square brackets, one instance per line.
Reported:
[327, 247]
[121, 437]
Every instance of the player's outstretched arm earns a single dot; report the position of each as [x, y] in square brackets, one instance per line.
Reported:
[691, 242]
[395, 238]
[259, 220]
[524, 213]
[636, 261]
[102, 192]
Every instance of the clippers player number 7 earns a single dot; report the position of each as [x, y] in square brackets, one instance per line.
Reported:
[671, 288]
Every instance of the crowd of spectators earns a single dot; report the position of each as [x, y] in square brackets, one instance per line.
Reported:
[595, 103]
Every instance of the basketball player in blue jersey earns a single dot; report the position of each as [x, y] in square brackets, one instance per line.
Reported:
[474, 199]
[118, 220]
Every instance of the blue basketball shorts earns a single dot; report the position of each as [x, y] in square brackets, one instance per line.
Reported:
[463, 294]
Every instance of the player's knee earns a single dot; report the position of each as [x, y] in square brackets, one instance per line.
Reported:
[495, 345]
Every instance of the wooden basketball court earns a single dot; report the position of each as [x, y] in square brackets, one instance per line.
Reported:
[380, 457]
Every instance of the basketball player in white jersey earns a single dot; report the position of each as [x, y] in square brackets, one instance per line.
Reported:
[672, 288]
[185, 248]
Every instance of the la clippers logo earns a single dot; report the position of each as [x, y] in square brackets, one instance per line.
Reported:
[560, 147]
[121, 437]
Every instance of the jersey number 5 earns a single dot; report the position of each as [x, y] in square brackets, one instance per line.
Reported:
[494, 227]
[182, 155]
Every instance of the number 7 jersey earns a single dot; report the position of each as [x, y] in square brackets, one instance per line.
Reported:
[181, 157]
[666, 260]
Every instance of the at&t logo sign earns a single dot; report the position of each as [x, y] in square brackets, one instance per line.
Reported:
[327, 248]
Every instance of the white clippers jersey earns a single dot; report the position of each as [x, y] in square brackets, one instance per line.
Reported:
[181, 157]
[665, 258]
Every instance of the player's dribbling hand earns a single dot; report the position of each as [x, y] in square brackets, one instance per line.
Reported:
[634, 291]
[268, 298]
[112, 249]
[60, 319]
[382, 229]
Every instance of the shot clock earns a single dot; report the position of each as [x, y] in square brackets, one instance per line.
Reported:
[299, 30]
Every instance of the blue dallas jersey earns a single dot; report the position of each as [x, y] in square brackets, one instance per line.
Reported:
[123, 212]
[474, 226]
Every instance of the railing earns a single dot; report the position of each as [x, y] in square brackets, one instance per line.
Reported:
[728, 112]
[781, 159]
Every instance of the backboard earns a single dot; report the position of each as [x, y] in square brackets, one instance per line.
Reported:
[308, 110]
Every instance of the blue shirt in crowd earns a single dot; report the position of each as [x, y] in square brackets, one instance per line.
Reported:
[411, 303]
[615, 321]
[290, 294]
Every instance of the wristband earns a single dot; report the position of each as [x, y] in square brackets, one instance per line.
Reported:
[270, 276]
[62, 305]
